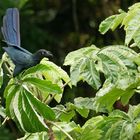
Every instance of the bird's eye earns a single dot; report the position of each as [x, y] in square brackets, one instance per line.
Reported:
[42, 53]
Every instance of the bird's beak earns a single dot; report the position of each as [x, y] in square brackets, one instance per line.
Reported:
[49, 54]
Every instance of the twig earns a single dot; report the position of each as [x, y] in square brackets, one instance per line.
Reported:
[7, 118]
[65, 84]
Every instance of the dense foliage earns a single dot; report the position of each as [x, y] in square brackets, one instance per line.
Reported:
[112, 71]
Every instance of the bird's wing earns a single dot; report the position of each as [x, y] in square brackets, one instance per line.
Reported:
[22, 49]
[19, 57]
[10, 28]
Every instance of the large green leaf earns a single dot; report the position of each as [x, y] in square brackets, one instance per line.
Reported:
[26, 110]
[81, 105]
[49, 72]
[45, 86]
[107, 96]
[63, 114]
[40, 107]
[90, 74]
[76, 55]
[36, 69]
[118, 20]
[56, 73]
[23, 111]
[2, 112]
[85, 70]
[113, 61]
[89, 130]
[133, 26]
[69, 128]
[118, 125]
[32, 121]
[130, 20]
[9, 94]
[89, 133]
[75, 70]
[111, 22]
[84, 103]
[106, 24]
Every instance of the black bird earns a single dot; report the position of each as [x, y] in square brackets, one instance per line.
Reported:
[22, 58]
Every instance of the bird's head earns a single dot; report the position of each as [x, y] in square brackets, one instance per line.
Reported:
[42, 53]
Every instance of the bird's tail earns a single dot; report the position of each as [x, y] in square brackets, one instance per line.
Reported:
[10, 28]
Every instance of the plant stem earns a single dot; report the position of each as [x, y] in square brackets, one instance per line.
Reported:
[7, 118]
[65, 84]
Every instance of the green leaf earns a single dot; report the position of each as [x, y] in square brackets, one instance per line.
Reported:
[83, 112]
[36, 69]
[50, 72]
[94, 121]
[118, 125]
[85, 70]
[2, 111]
[134, 6]
[117, 60]
[75, 71]
[113, 57]
[21, 116]
[109, 67]
[107, 24]
[9, 94]
[111, 22]
[120, 114]
[55, 73]
[107, 96]
[72, 57]
[118, 20]
[137, 59]
[26, 110]
[130, 14]
[90, 74]
[82, 103]
[115, 132]
[41, 108]
[134, 112]
[67, 128]
[37, 122]
[137, 38]
[90, 131]
[132, 28]
[63, 114]
[45, 86]
[26, 115]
